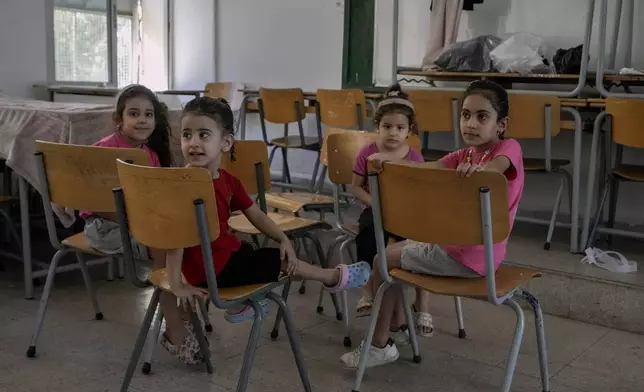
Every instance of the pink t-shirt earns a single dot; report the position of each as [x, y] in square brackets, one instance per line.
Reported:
[116, 140]
[360, 166]
[474, 256]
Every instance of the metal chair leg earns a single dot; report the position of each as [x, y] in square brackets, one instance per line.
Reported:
[140, 339]
[612, 209]
[203, 344]
[121, 267]
[600, 208]
[203, 310]
[553, 216]
[110, 268]
[347, 327]
[44, 300]
[459, 316]
[541, 339]
[320, 185]
[366, 344]
[516, 344]
[278, 318]
[410, 323]
[153, 341]
[293, 339]
[272, 155]
[314, 177]
[324, 264]
[90, 287]
[251, 347]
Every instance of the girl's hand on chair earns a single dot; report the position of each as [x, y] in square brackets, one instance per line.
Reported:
[287, 253]
[378, 159]
[466, 169]
[185, 294]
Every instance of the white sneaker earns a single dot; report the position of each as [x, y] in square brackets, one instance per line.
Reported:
[377, 356]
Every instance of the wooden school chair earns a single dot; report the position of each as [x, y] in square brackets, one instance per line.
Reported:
[480, 200]
[626, 118]
[173, 208]
[251, 168]
[437, 112]
[537, 117]
[218, 90]
[341, 147]
[286, 106]
[345, 109]
[82, 178]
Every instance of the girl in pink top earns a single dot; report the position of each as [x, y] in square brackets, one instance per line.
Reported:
[484, 120]
[395, 120]
[141, 122]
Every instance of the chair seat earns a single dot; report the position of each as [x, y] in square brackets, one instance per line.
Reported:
[159, 278]
[539, 164]
[287, 223]
[79, 242]
[310, 143]
[630, 172]
[431, 155]
[294, 202]
[508, 278]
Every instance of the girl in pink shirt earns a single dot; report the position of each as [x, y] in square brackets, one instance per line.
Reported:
[141, 122]
[395, 121]
[484, 120]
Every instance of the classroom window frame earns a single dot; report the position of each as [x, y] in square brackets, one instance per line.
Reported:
[112, 19]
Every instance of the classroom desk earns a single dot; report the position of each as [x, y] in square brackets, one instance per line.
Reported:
[24, 121]
[507, 79]
[102, 91]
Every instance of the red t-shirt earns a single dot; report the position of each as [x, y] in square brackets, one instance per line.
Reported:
[230, 196]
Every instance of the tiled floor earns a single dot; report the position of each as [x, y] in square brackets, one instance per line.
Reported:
[77, 353]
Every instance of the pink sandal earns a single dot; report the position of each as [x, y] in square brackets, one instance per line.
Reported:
[352, 276]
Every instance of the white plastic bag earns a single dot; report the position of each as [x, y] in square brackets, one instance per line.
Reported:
[523, 53]
[609, 260]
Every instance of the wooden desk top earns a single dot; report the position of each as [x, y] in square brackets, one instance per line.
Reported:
[515, 77]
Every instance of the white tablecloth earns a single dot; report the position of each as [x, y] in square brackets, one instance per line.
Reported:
[22, 122]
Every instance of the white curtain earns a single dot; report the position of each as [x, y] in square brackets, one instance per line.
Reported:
[444, 22]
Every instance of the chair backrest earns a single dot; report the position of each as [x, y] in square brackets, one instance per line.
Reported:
[278, 105]
[218, 90]
[342, 148]
[160, 204]
[528, 116]
[627, 118]
[339, 108]
[82, 177]
[435, 110]
[247, 154]
[443, 208]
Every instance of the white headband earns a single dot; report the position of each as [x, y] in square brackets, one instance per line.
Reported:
[396, 100]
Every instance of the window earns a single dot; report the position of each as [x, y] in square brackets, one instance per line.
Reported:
[82, 45]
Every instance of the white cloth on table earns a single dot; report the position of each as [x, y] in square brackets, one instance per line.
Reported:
[22, 122]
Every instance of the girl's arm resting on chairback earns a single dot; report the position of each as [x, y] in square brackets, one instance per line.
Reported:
[264, 224]
[358, 191]
[499, 164]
